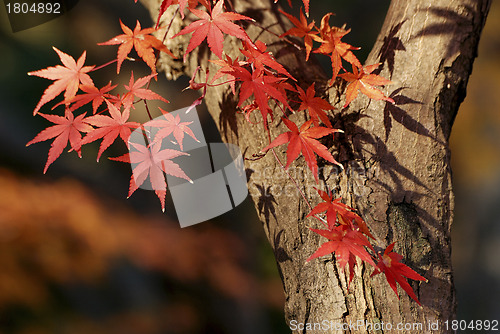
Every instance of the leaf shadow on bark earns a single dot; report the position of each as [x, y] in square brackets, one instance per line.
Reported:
[396, 171]
[266, 203]
[395, 112]
[227, 118]
[280, 253]
[254, 13]
[451, 22]
[365, 147]
[392, 43]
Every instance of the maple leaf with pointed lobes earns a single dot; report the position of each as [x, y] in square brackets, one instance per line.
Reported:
[67, 78]
[335, 208]
[262, 86]
[303, 30]
[226, 67]
[109, 128]
[314, 105]
[395, 271]
[143, 43]
[67, 128]
[257, 56]
[171, 125]
[364, 81]
[93, 94]
[153, 162]
[182, 3]
[346, 244]
[333, 46]
[134, 90]
[304, 140]
[212, 26]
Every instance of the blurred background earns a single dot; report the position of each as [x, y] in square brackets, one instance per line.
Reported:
[77, 257]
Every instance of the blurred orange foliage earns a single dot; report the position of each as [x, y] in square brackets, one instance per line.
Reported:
[59, 232]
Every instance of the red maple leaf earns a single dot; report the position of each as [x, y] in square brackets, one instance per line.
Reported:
[304, 140]
[153, 162]
[346, 244]
[226, 67]
[212, 26]
[67, 128]
[314, 105]
[67, 78]
[395, 271]
[364, 81]
[143, 43]
[171, 125]
[302, 29]
[134, 90]
[167, 3]
[262, 86]
[93, 94]
[334, 207]
[108, 128]
[333, 46]
[257, 56]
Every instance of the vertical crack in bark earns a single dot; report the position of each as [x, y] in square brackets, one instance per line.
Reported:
[307, 313]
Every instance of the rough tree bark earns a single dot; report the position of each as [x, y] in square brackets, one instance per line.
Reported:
[396, 157]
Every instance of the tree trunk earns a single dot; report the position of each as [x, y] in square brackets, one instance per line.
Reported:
[396, 157]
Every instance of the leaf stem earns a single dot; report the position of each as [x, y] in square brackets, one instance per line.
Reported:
[104, 65]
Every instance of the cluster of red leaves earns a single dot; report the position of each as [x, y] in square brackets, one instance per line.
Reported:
[348, 239]
[264, 82]
[304, 140]
[264, 85]
[112, 121]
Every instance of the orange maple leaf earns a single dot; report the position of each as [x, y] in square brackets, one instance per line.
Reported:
[67, 78]
[67, 128]
[314, 105]
[333, 46]
[364, 81]
[143, 43]
[302, 29]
